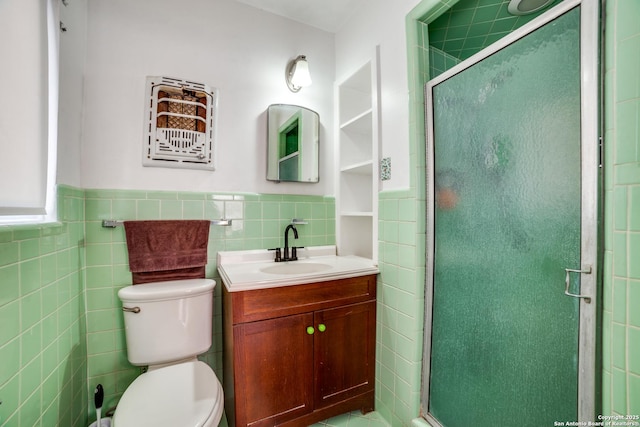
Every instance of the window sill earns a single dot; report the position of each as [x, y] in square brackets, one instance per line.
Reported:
[10, 232]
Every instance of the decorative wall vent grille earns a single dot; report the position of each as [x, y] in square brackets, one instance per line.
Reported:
[179, 124]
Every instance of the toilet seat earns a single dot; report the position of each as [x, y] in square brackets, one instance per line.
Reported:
[183, 395]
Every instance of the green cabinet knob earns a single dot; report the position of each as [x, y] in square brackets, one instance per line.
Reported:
[310, 330]
[322, 327]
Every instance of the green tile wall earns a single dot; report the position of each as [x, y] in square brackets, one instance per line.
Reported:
[42, 317]
[621, 293]
[400, 307]
[471, 25]
[62, 330]
[258, 223]
[439, 62]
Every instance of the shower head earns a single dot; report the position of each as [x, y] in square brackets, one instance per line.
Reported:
[525, 7]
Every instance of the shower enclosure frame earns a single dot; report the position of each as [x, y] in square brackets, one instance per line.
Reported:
[591, 163]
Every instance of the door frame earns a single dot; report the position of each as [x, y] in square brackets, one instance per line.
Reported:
[591, 163]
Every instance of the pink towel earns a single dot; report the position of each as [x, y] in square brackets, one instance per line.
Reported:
[167, 250]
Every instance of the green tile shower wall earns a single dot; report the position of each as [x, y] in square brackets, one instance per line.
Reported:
[258, 223]
[621, 293]
[439, 62]
[471, 25]
[42, 318]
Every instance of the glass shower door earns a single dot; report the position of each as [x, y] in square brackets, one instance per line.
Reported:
[506, 223]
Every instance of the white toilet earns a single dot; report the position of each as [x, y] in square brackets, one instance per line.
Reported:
[167, 325]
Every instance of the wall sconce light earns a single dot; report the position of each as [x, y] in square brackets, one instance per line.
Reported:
[297, 73]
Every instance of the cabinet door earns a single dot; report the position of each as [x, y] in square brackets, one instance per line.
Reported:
[344, 347]
[273, 370]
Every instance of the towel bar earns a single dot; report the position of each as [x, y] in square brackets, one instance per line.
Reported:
[110, 223]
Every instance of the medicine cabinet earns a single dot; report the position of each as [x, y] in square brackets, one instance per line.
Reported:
[293, 137]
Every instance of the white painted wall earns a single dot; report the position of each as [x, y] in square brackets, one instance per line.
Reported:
[239, 49]
[382, 23]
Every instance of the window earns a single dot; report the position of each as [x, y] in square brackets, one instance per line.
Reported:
[28, 110]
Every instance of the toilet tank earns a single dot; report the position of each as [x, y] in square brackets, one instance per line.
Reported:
[167, 321]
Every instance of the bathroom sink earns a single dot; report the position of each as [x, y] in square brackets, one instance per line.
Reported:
[255, 268]
[296, 268]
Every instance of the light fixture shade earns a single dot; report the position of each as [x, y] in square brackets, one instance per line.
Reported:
[298, 74]
[301, 76]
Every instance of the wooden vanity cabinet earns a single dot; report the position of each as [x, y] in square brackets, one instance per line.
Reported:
[296, 355]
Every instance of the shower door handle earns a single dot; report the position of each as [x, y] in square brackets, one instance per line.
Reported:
[567, 282]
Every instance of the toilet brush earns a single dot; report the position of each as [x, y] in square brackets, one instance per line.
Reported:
[97, 399]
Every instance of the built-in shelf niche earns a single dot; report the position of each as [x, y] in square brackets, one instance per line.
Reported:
[357, 161]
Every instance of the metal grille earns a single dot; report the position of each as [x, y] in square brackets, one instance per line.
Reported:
[180, 129]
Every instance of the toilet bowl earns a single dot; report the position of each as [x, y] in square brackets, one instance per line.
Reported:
[186, 394]
[167, 324]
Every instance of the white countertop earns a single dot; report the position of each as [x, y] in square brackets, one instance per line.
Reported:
[243, 270]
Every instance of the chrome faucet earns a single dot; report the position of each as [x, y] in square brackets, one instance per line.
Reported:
[285, 255]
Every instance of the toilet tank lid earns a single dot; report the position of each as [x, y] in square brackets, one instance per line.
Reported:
[171, 289]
